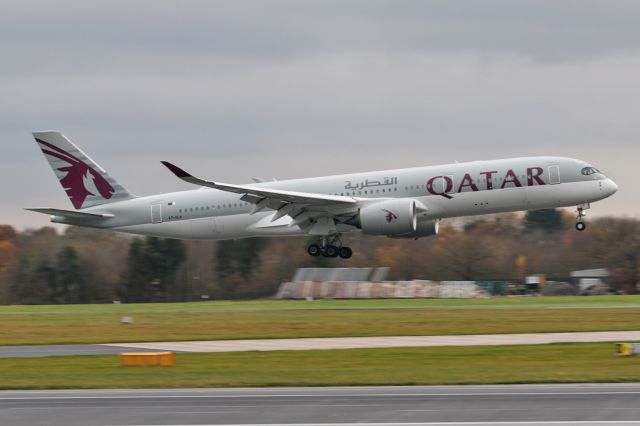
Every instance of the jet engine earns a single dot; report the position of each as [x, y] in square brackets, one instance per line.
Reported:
[425, 228]
[395, 217]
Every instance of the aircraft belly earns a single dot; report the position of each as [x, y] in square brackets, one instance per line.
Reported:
[515, 199]
[508, 199]
[477, 203]
[212, 228]
[196, 229]
[562, 195]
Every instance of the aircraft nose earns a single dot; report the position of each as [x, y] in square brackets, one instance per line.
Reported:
[611, 187]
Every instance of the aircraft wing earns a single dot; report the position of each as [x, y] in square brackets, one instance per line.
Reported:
[72, 214]
[306, 209]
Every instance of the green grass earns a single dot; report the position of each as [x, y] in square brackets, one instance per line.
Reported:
[557, 363]
[279, 305]
[171, 322]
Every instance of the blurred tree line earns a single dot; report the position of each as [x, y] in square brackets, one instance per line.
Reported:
[91, 266]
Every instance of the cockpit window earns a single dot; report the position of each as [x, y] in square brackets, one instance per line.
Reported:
[589, 171]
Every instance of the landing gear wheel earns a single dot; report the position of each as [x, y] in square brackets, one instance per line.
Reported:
[331, 251]
[580, 225]
[345, 252]
[314, 250]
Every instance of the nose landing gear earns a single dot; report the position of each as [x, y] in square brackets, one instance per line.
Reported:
[331, 247]
[580, 225]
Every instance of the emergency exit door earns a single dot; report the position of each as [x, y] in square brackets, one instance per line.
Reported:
[156, 213]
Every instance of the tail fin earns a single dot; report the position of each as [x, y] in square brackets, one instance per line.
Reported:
[85, 182]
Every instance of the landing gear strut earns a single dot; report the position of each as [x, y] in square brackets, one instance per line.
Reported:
[580, 225]
[331, 247]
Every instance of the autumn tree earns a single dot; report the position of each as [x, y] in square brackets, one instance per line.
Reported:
[72, 286]
[152, 266]
[7, 259]
[546, 220]
[235, 261]
[34, 283]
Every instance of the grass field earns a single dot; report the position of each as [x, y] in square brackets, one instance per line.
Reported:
[285, 319]
[558, 363]
[279, 305]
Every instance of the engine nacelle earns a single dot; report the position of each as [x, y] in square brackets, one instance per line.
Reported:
[390, 217]
[425, 228]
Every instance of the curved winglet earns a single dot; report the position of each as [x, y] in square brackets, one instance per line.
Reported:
[187, 177]
[176, 170]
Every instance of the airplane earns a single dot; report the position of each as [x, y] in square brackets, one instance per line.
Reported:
[401, 203]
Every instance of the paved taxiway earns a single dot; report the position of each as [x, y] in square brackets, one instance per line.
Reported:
[386, 342]
[322, 343]
[593, 404]
[56, 350]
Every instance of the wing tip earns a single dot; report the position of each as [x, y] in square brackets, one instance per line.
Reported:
[175, 170]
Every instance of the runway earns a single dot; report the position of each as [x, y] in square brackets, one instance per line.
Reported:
[584, 404]
[386, 342]
[322, 343]
[57, 350]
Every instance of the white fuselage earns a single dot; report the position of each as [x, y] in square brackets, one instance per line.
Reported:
[453, 190]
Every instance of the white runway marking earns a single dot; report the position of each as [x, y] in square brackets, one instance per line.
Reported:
[319, 395]
[384, 342]
[545, 423]
[517, 405]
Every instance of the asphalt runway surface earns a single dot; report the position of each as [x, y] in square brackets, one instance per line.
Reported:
[58, 350]
[580, 404]
[321, 343]
[387, 341]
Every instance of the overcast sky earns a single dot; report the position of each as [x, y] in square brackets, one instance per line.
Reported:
[236, 89]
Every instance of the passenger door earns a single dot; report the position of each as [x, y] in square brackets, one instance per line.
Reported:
[156, 213]
[554, 174]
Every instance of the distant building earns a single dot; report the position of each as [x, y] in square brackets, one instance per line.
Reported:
[588, 279]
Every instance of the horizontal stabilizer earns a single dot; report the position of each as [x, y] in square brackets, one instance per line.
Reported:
[71, 214]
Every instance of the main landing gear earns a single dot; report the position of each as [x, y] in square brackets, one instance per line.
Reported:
[580, 225]
[330, 248]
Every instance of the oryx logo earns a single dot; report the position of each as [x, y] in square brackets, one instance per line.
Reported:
[390, 216]
[80, 179]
